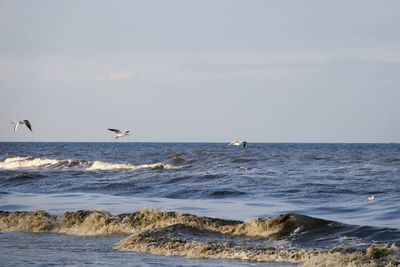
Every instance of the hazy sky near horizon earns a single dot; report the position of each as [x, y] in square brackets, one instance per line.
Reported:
[264, 71]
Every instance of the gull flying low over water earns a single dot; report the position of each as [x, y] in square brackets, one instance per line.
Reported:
[238, 143]
[17, 123]
[119, 133]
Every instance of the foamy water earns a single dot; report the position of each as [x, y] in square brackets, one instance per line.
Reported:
[26, 162]
[14, 163]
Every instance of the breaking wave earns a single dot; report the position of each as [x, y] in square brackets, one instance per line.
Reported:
[35, 163]
[32, 162]
[178, 234]
[101, 222]
[163, 243]
[103, 166]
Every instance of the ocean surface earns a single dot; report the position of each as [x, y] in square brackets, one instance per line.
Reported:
[199, 204]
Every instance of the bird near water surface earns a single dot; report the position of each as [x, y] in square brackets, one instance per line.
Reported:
[238, 143]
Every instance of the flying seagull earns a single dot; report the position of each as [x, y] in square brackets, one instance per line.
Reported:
[118, 133]
[17, 123]
[238, 143]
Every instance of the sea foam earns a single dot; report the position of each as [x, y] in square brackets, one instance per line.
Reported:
[13, 163]
[27, 162]
[103, 166]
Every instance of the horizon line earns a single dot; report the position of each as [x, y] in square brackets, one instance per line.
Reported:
[205, 142]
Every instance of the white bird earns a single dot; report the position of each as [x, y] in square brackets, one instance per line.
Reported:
[238, 143]
[119, 133]
[17, 123]
[371, 198]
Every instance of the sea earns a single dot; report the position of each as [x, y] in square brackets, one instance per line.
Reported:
[199, 204]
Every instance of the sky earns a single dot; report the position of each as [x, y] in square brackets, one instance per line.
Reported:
[201, 71]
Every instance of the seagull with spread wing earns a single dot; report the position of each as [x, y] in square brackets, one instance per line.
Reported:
[238, 143]
[17, 123]
[119, 133]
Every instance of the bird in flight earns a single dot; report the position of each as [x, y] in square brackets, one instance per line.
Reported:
[119, 133]
[238, 143]
[17, 123]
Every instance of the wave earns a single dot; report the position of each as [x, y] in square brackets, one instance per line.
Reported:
[27, 176]
[162, 242]
[76, 222]
[100, 222]
[178, 234]
[241, 160]
[191, 192]
[36, 163]
[223, 193]
[33, 162]
[103, 166]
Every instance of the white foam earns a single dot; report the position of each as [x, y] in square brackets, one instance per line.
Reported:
[33, 163]
[104, 166]
[26, 162]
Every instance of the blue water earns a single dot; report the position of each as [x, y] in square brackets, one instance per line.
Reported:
[327, 181]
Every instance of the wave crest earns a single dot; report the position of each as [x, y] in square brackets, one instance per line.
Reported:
[26, 162]
[104, 166]
[36, 221]
[37, 163]
[101, 222]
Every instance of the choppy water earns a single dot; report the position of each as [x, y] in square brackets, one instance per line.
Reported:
[275, 203]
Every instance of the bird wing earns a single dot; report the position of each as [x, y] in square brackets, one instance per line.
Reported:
[28, 124]
[115, 131]
[16, 126]
[127, 132]
[232, 143]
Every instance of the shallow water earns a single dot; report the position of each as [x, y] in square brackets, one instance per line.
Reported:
[327, 181]
[52, 249]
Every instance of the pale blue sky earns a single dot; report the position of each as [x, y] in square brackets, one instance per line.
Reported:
[265, 71]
